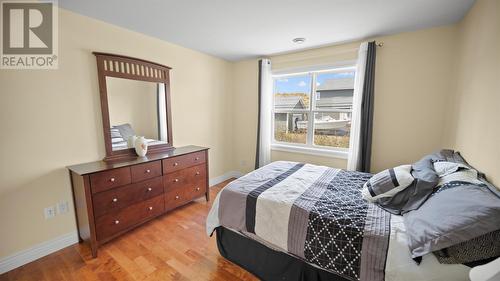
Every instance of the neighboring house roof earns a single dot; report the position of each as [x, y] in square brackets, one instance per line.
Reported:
[336, 84]
[294, 102]
[340, 99]
[332, 93]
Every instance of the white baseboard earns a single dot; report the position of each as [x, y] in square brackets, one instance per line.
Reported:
[224, 177]
[40, 250]
[48, 247]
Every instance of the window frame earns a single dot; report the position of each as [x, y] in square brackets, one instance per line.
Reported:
[309, 147]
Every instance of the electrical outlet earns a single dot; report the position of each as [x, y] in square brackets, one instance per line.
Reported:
[49, 212]
[62, 207]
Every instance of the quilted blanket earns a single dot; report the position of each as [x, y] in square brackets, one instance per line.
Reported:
[313, 212]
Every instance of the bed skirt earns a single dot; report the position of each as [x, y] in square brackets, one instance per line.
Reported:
[265, 263]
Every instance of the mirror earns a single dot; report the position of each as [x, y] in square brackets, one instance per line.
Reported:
[136, 108]
[135, 101]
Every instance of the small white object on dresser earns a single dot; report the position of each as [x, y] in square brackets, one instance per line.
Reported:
[141, 146]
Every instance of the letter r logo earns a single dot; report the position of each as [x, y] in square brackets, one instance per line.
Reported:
[27, 28]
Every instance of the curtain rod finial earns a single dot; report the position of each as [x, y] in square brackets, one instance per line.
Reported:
[380, 44]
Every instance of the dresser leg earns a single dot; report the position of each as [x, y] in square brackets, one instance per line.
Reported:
[207, 195]
[93, 249]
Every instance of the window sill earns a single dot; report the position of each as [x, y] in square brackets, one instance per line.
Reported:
[310, 151]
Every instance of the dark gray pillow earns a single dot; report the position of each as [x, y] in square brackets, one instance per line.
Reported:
[414, 195]
[455, 213]
[125, 130]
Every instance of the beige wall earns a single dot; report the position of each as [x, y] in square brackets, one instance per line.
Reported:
[134, 102]
[51, 119]
[414, 76]
[245, 108]
[474, 119]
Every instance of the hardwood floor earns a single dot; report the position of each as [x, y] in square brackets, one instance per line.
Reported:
[171, 247]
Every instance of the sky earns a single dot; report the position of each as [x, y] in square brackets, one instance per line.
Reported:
[302, 83]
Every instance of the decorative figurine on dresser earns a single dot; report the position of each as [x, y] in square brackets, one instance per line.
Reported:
[142, 175]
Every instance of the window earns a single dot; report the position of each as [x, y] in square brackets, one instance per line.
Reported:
[313, 110]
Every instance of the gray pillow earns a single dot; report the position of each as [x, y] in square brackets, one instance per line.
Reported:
[125, 130]
[425, 179]
[455, 213]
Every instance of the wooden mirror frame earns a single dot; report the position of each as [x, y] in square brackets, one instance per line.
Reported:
[111, 65]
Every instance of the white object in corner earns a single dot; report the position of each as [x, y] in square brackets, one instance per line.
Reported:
[40, 250]
[224, 177]
[486, 272]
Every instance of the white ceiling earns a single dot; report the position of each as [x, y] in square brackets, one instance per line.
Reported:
[238, 29]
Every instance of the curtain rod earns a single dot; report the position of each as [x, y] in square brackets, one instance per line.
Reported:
[378, 44]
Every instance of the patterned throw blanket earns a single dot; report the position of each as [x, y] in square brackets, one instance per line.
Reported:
[313, 212]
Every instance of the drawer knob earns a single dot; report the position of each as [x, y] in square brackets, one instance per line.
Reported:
[112, 179]
[177, 197]
[197, 158]
[117, 221]
[197, 189]
[150, 208]
[176, 180]
[115, 199]
[149, 189]
[148, 171]
[175, 164]
[197, 173]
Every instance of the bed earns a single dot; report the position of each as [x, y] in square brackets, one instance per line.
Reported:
[120, 135]
[295, 221]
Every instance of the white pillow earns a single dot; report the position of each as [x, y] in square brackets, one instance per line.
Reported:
[387, 183]
[455, 172]
[444, 168]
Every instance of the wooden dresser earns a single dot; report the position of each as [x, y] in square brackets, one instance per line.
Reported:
[112, 198]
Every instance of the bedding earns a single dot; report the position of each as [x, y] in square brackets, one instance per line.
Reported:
[387, 183]
[120, 135]
[471, 206]
[115, 135]
[124, 144]
[317, 214]
[413, 196]
[126, 130]
[476, 250]
[467, 208]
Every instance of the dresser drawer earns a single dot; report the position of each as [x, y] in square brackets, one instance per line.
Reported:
[177, 195]
[124, 196]
[112, 223]
[180, 162]
[110, 179]
[145, 171]
[184, 177]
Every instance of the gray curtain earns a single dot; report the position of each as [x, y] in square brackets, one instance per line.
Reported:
[365, 142]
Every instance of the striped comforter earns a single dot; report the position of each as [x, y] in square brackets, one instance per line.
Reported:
[313, 212]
